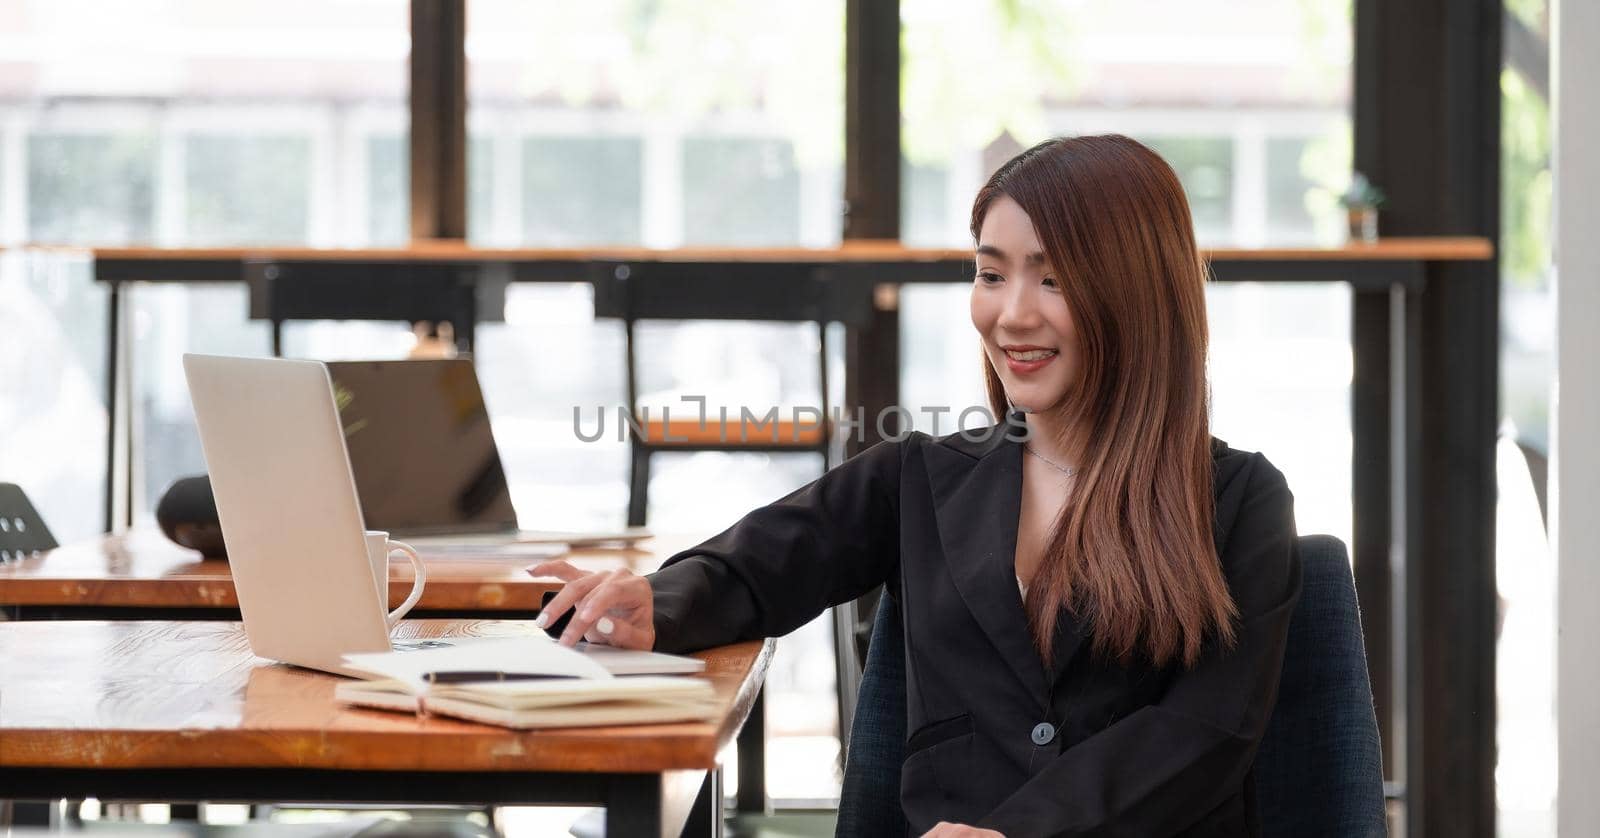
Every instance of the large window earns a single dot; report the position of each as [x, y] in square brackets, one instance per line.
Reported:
[177, 123]
[1249, 103]
[52, 386]
[1525, 565]
[86, 186]
[676, 123]
[581, 182]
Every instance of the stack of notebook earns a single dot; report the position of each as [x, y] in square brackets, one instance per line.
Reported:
[531, 682]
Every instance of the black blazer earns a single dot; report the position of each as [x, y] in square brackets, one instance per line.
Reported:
[998, 739]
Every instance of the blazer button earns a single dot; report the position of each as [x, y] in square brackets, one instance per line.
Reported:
[1043, 733]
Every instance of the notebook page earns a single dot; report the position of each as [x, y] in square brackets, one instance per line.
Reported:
[530, 655]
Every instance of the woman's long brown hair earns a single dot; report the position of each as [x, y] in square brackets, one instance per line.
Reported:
[1131, 553]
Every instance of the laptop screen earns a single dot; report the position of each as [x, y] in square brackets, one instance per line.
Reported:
[420, 445]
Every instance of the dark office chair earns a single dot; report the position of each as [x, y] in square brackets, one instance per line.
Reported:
[1319, 768]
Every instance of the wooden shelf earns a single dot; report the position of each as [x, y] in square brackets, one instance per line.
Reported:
[691, 433]
[1429, 248]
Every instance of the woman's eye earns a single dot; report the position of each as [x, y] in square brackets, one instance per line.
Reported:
[988, 278]
[1049, 282]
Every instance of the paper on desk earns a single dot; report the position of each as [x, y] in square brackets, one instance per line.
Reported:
[530, 655]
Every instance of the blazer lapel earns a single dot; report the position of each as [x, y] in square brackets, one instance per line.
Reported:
[977, 503]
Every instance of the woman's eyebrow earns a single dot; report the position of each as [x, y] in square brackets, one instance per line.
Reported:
[1034, 258]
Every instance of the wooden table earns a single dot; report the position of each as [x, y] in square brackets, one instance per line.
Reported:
[183, 711]
[142, 575]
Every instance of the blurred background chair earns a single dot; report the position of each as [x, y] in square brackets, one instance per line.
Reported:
[22, 532]
[683, 291]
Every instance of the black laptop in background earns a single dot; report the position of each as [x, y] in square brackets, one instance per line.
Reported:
[424, 458]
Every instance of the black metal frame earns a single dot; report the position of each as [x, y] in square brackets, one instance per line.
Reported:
[636, 804]
[114, 407]
[1427, 129]
[872, 203]
[438, 109]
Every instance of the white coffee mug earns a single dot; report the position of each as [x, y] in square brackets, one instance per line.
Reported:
[379, 549]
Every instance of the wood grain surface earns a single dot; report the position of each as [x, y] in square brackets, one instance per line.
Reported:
[143, 569]
[191, 695]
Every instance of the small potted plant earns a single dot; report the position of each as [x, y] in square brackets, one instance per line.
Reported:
[1362, 200]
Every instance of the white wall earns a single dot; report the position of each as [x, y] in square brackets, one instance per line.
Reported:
[1575, 475]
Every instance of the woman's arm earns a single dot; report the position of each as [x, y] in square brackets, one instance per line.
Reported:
[1164, 766]
[781, 565]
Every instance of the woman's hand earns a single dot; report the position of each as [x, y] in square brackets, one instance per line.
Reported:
[615, 607]
[959, 830]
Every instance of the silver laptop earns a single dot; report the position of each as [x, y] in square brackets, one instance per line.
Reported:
[288, 509]
[290, 515]
[424, 456]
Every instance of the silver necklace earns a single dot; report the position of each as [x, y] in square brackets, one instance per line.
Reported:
[1068, 471]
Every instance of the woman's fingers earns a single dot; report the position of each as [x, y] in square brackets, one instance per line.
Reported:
[619, 592]
[557, 568]
[622, 634]
[567, 597]
[621, 598]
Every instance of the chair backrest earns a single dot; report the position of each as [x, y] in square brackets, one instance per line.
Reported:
[22, 531]
[869, 797]
[1318, 771]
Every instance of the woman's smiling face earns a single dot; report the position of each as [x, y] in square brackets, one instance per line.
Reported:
[1018, 309]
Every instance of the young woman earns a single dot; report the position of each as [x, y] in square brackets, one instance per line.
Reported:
[1095, 592]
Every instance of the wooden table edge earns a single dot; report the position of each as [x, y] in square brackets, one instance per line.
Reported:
[614, 749]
